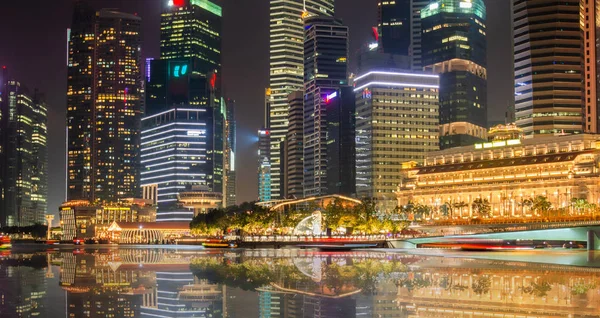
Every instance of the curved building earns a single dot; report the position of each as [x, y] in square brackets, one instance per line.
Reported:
[454, 46]
[548, 53]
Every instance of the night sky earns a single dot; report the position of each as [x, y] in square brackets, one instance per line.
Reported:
[33, 47]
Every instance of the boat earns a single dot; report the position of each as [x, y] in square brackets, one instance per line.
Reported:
[217, 243]
[5, 243]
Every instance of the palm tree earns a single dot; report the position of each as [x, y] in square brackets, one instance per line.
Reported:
[482, 207]
[460, 205]
[527, 202]
[541, 205]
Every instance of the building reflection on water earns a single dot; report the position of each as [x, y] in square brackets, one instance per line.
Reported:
[288, 283]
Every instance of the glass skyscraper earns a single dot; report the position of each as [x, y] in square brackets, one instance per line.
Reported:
[286, 34]
[328, 109]
[103, 104]
[454, 46]
[184, 128]
[393, 25]
[23, 155]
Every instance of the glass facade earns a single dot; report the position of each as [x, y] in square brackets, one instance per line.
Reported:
[328, 112]
[104, 105]
[394, 26]
[264, 166]
[23, 155]
[454, 46]
[286, 34]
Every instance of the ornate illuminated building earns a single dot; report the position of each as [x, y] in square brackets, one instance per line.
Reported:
[104, 104]
[183, 131]
[506, 173]
[23, 155]
[286, 34]
[397, 120]
[329, 107]
[454, 46]
[81, 219]
[548, 78]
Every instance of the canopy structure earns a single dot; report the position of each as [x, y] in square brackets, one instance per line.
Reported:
[144, 232]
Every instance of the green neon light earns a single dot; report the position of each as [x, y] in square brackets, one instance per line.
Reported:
[208, 6]
[476, 7]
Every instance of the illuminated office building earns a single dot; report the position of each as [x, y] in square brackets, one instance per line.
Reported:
[184, 128]
[264, 166]
[286, 34]
[548, 78]
[454, 45]
[23, 155]
[229, 176]
[415, 33]
[591, 23]
[397, 121]
[294, 147]
[103, 104]
[328, 109]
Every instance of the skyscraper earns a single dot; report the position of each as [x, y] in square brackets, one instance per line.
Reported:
[397, 121]
[591, 26]
[328, 107]
[229, 154]
[184, 128]
[103, 104]
[264, 166]
[23, 159]
[295, 146]
[415, 33]
[393, 23]
[454, 46]
[286, 68]
[548, 78]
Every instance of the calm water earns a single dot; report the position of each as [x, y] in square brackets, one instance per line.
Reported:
[288, 283]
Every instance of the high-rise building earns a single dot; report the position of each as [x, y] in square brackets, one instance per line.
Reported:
[103, 104]
[393, 24]
[415, 33]
[23, 155]
[183, 133]
[328, 108]
[264, 166]
[229, 195]
[591, 25]
[294, 147]
[397, 121]
[286, 69]
[548, 78]
[454, 46]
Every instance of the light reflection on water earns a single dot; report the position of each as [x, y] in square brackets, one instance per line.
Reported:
[288, 283]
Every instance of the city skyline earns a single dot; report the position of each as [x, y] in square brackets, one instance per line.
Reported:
[249, 117]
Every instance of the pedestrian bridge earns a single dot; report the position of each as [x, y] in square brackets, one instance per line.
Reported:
[589, 234]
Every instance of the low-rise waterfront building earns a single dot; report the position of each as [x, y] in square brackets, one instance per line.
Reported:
[509, 174]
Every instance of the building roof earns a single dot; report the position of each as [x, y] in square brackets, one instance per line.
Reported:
[497, 163]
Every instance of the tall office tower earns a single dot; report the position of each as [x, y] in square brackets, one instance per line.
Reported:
[397, 121]
[286, 68]
[103, 104]
[294, 146]
[229, 176]
[591, 26]
[415, 33]
[264, 165]
[24, 159]
[454, 46]
[393, 24]
[184, 128]
[328, 107]
[548, 78]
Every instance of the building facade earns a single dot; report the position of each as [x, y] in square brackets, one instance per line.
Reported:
[23, 155]
[229, 175]
[328, 107]
[454, 46]
[507, 173]
[104, 104]
[294, 175]
[286, 34]
[397, 121]
[415, 33]
[393, 24]
[264, 165]
[548, 79]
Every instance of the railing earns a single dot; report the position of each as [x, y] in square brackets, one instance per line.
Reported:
[308, 238]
